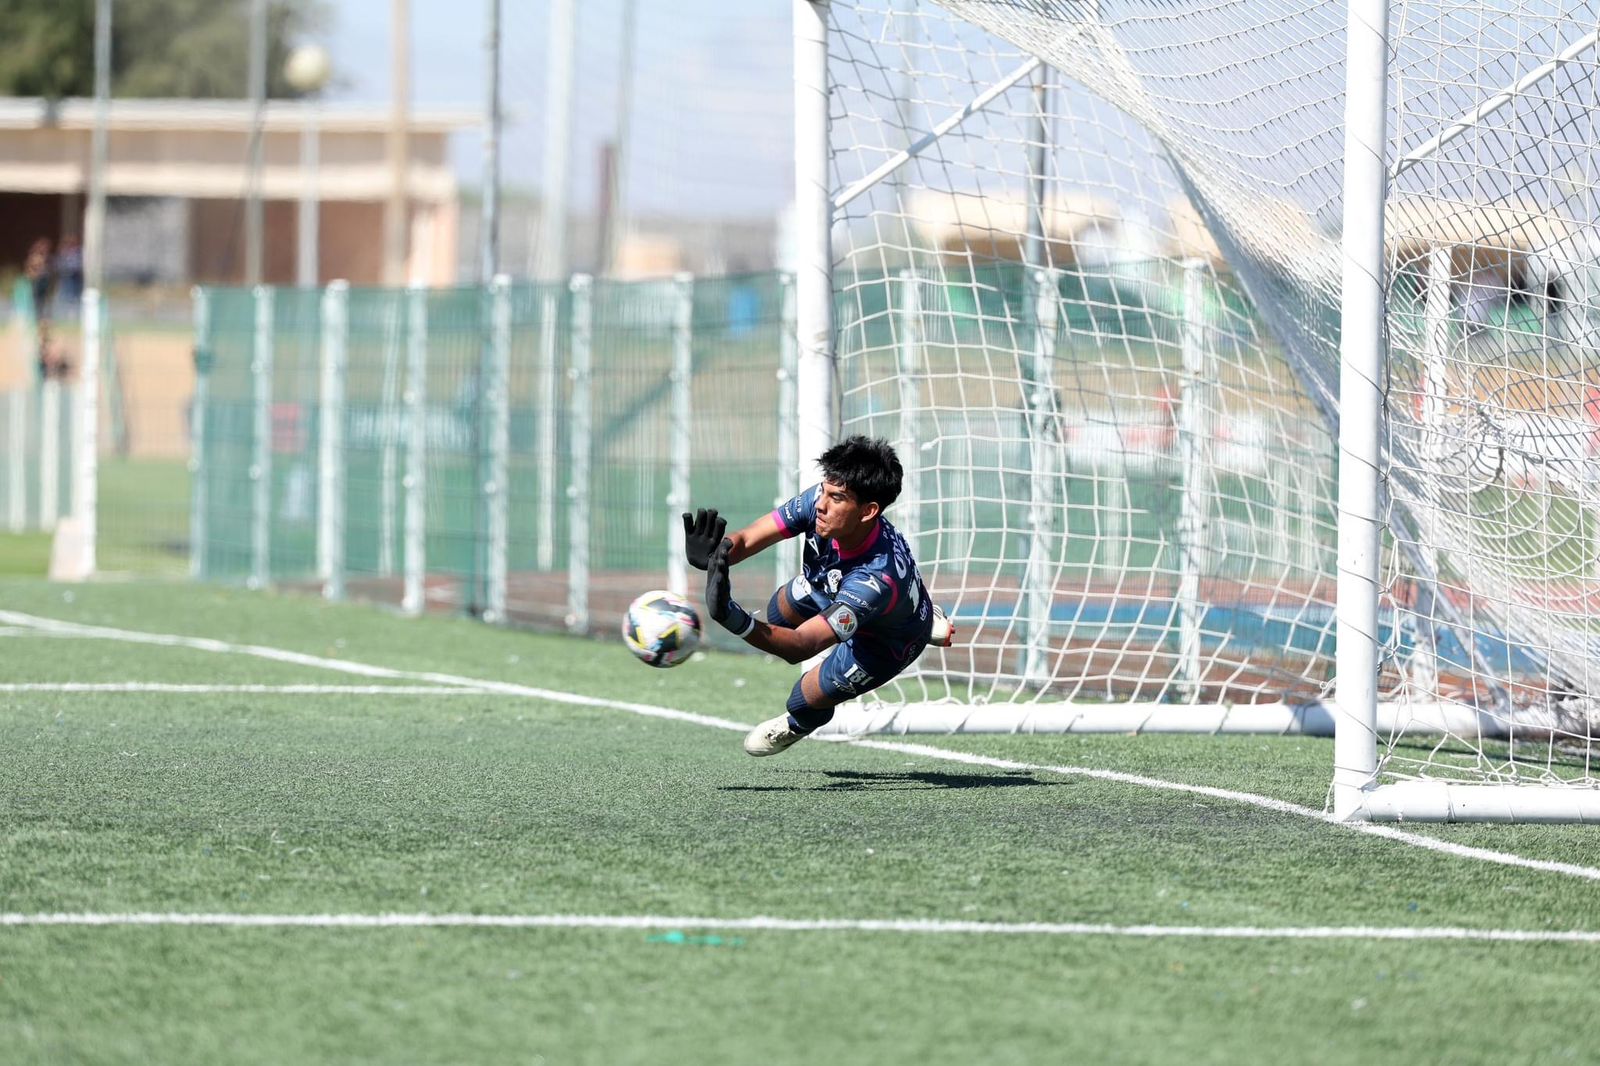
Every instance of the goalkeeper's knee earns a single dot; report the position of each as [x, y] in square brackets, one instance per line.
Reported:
[775, 612]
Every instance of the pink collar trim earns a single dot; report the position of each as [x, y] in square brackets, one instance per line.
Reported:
[869, 541]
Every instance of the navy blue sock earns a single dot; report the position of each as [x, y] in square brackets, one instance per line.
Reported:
[803, 718]
[775, 613]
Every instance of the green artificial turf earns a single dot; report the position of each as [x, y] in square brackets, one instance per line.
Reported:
[488, 803]
[24, 554]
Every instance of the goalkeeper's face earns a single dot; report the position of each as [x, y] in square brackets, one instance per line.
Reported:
[840, 515]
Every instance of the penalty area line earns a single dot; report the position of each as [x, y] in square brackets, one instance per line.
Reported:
[800, 925]
[504, 688]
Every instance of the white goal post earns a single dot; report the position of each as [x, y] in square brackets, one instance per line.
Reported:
[1245, 364]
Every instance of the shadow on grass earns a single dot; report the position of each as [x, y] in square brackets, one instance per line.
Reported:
[896, 781]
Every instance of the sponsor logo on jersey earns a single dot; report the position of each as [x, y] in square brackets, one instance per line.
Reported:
[872, 582]
[852, 596]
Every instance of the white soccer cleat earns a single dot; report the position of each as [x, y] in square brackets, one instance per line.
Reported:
[771, 737]
[944, 631]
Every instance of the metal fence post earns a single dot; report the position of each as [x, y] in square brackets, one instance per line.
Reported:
[788, 421]
[1044, 486]
[497, 480]
[908, 323]
[1194, 444]
[86, 443]
[414, 399]
[199, 469]
[261, 440]
[389, 418]
[331, 458]
[1424, 672]
[682, 379]
[545, 508]
[578, 491]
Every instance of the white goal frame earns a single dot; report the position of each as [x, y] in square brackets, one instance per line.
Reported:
[1353, 715]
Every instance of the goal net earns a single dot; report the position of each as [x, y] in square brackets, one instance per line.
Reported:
[1086, 271]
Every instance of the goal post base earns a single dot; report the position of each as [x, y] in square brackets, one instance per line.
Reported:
[69, 560]
[1314, 718]
[1425, 800]
[1443, 801]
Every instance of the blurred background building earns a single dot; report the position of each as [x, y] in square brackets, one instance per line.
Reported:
[660, 134]
[176, 175]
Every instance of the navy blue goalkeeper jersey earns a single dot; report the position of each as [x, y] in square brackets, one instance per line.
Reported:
[873, 595]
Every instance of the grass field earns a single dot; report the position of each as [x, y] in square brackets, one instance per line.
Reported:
[461, 774]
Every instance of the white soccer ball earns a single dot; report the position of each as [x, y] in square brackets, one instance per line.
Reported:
[661, 628]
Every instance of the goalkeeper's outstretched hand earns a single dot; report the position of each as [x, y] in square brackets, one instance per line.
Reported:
[725, 611]
[719, 588]
[702, 533]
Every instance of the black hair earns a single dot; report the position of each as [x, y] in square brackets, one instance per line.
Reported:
[866, 466]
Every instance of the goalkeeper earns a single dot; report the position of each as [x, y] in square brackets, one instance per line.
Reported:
[858, 592]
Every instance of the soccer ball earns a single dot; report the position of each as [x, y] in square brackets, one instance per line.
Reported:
[661, 628]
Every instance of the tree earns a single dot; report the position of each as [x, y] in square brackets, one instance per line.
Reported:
[49, 48]
[175, 48]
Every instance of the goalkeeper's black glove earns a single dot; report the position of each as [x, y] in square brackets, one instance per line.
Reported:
[701, 535]
[725, 611]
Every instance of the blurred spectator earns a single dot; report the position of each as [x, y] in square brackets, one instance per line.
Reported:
[69, 272]
[54, 363]
[36, 268]
[744, 308]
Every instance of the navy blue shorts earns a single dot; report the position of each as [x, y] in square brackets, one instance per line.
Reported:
[856, 666]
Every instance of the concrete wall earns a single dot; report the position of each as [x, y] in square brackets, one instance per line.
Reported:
[350, 242]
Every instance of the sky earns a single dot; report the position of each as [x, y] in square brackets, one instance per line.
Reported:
[710, 111]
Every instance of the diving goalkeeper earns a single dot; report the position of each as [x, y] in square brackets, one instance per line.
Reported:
[859, 591]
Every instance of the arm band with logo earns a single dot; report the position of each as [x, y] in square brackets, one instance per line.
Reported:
[739, 621]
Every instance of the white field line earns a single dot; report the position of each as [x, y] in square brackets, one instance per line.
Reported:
[802, 925]
[919, 750]
[267, 690]
[502, 688]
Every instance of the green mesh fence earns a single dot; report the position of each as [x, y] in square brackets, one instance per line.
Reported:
[260, 510]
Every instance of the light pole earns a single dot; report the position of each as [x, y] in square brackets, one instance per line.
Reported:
[550, 253]
[257, 78]
[396, 224]
[94, 236]
[489, 245]
[306, 70]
